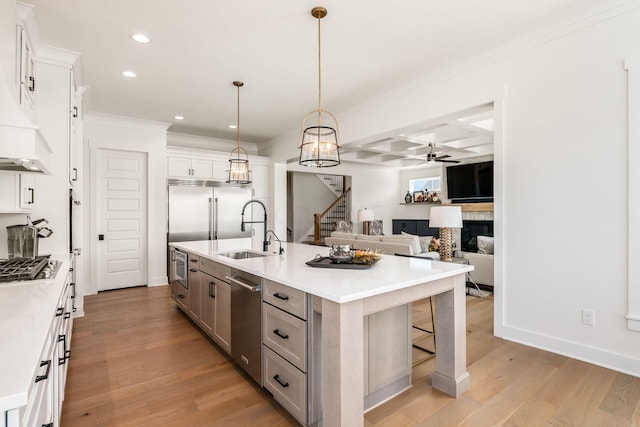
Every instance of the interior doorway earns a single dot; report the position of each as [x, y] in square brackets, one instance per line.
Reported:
[121, 219]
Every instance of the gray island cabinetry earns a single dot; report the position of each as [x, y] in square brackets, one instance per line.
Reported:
[207, 298]
[337, 342]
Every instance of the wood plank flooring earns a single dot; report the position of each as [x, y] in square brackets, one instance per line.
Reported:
[137, 360]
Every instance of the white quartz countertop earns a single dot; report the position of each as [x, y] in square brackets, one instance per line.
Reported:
[26, 313]
[390, 273]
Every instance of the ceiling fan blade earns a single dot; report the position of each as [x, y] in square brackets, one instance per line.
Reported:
[447, 161]
[444, 156]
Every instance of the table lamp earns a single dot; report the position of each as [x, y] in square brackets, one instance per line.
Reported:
[445, 218]
[366, 216]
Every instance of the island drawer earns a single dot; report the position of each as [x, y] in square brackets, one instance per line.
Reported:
[287, 384]
[214, 269]
[180, 294]
[288, 299]
[286, 335]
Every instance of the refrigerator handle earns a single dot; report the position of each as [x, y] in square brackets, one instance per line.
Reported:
[215, 218]
[211, 219]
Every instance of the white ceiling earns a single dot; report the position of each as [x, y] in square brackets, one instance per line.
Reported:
[199, 47]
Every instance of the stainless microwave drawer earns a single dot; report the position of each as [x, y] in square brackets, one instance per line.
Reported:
[286, 335]
[288, 299]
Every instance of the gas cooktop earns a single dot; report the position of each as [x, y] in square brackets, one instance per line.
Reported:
[24, 269]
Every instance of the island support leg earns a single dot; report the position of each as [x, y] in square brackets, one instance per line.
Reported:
[451, 376]
[342, 364]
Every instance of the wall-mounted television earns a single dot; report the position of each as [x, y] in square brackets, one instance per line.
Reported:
[469, 183]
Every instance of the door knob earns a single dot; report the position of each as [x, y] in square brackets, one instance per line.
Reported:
[100, 236]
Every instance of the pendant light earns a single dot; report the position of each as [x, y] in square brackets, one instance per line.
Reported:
[319, 142]
[239, 158]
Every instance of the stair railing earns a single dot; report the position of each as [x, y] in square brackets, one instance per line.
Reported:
[324, 223]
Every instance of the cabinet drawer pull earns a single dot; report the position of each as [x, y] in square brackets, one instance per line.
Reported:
[282, 383]
[32, 198]
[180, 296]
[47, 425]
[193, 270]
[46, 373]
[59, 311]
[212, 293]
[63, 339]
[277, 332]
[282, 297]
[67, 315]
[32, 84]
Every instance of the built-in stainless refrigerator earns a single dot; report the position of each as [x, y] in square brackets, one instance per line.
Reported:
[205, 210]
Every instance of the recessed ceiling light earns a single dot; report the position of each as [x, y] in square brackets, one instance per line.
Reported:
[232, 126]
[129, 74]
[140, 38]
[178, 117]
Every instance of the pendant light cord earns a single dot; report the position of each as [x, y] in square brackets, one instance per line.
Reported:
[319, 75]
[238, 124]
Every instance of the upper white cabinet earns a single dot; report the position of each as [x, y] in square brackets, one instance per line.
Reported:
[183, 167]
[260, 179]
[17, 192]
[26, 73]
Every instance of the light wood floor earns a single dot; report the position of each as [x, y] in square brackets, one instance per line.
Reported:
[137, 360]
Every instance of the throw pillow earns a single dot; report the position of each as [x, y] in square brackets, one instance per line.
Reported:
[407, 238]
[424, 243]
[485, 245]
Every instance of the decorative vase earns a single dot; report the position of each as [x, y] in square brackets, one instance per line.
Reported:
[408, 198]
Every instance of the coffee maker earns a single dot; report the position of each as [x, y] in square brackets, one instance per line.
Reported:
[22, 240]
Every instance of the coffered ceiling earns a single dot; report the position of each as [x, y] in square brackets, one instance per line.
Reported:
[198, 48]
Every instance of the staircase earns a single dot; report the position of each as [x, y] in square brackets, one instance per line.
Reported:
[324, 223]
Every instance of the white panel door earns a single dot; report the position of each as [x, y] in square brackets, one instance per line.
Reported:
[121, 219]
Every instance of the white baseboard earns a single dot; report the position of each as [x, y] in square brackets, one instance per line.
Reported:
[158, 281]
[617, 362]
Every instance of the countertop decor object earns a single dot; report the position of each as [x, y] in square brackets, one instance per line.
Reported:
[408, 198]
[327, 262]
[319, 142]
[239, 158]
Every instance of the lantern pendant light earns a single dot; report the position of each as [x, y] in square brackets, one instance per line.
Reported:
[239, 158]
[319, 141]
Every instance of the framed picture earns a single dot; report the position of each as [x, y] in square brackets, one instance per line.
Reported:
[418, 196]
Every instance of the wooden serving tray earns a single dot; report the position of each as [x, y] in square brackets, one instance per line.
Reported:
[326, 262]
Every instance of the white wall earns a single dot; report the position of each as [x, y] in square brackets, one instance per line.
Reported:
[119, 133]
[372, 188]
[561, 103]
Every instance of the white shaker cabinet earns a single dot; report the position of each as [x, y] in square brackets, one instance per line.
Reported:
[26, 68]
[183, 167]
[17, 192]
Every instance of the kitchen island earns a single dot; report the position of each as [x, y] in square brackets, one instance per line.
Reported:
[345, 297]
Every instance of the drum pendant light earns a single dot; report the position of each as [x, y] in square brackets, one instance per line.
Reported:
[239, 158]
[319, 141]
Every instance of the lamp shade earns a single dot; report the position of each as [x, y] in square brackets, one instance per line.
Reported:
[365, 215]
[445, 216]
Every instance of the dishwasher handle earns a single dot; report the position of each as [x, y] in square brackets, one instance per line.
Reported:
[252, 288]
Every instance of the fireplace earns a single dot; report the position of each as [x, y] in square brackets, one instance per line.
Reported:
[471, 229]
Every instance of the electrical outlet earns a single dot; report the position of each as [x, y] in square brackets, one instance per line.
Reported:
[588, 317]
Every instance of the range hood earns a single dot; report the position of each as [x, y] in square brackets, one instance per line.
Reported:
[22, 145]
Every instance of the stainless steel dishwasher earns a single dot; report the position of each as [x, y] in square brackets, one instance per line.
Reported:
[246, 322]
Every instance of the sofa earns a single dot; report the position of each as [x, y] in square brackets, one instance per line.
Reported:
[403, 244]
[482, 261]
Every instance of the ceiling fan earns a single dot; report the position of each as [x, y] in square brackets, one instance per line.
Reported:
[432, 157]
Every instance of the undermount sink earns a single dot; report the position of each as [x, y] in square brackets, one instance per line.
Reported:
[243, 254]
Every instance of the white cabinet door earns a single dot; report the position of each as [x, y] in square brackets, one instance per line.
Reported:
[260, 180]
[17, 192]
[201, 169]
[179, 167]
[27, 75]
[27, 191]
[220, 168]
